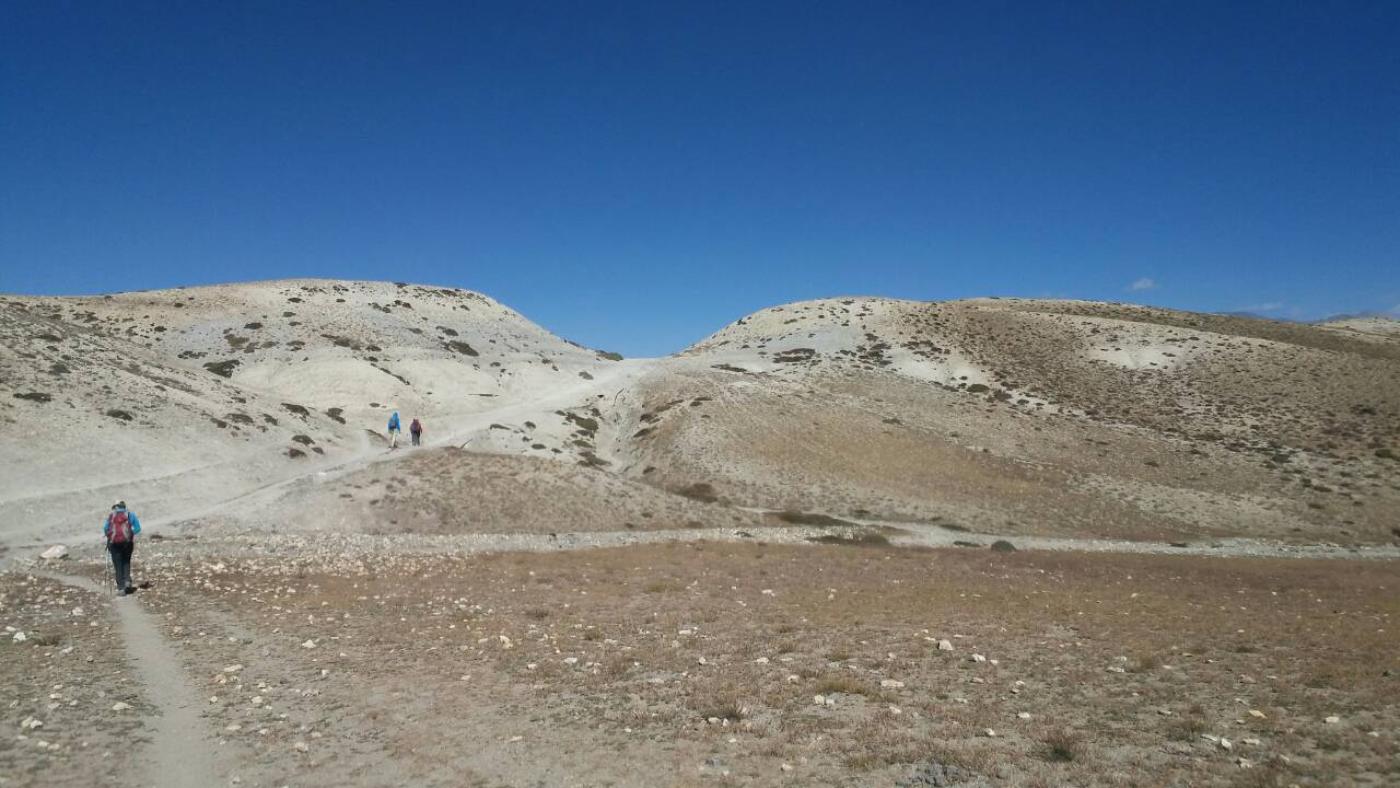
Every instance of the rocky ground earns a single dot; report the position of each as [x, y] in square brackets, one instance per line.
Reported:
[753, 663]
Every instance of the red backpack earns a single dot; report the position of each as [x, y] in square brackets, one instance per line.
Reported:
[118, 527]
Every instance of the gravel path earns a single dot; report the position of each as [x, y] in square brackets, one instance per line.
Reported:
[181, 752]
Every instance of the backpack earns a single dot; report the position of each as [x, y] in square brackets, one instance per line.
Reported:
[118, 527]
[415, 426]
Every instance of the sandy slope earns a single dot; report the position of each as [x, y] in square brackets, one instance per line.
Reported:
[265, 403]
[185, 398]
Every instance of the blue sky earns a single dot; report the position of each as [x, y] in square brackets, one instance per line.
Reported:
[635, 175]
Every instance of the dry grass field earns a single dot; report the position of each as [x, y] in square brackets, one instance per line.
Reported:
[698, 664]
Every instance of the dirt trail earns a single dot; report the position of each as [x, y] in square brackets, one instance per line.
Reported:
[181, 753]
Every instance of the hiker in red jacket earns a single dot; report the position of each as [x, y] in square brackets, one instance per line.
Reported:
[416, 430]
[120, 528]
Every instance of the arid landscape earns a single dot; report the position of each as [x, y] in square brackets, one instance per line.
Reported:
[854, 541]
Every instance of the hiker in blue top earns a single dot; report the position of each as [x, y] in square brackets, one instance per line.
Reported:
[394, 430]
[120, 528]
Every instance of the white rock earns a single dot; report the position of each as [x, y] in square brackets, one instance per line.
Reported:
[1025, 715]
[1225, 744]
[891, 684]
[1333, 720]
[978, 658]
[819, 700]
[233, 728]
[308, 643]
[257, 700]
[120, 706]
[19, 637]
[991, 734]
[300, 746]
[945, 645]
[1257, 714]
[55, 553]
[233, 668]
[31, 723]
[761, 661]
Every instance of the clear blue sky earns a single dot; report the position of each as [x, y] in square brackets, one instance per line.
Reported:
[635, 175]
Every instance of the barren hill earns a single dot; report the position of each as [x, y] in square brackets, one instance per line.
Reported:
[204, 394]
[264, 403]
[1027, 416]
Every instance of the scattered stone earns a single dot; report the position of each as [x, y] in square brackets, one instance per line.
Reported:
[945, 645]
[55, 553]
[978, 658]
[1333, 720]
[1003, 546]
[935, 775]
[891, 684]
[120, 706]
[1257, 714]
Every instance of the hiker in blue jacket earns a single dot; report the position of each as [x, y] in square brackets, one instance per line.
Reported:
[394, 430]
[120, 529]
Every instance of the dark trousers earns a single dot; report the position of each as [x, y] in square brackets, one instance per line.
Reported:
[417, 436]
[121, 563]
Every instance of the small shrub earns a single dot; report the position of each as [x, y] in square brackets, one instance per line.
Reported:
[1061, 746]
[841, 684]
[699, 491]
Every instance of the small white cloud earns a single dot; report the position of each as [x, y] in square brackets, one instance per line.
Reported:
[1145, 283]
[1271, 306]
